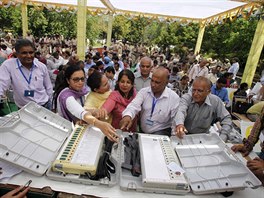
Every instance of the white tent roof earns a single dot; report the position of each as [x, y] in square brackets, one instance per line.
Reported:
[194, 10]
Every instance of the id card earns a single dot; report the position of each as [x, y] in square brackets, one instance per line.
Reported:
[149, 122]
[29, 93]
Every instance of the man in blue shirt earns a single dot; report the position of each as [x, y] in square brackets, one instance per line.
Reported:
[219, 90]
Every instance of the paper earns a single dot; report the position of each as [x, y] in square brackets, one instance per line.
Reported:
[8, 170]
[175, 168]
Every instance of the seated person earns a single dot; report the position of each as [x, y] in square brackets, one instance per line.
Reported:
[157, 105]
[256, 165]
[242, 90]
[257, 92]
[118, 100]
[219, 90]
[69, 99]
[199, 109]
[181, 87]
[254, 111]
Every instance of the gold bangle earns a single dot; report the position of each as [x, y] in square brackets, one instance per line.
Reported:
[93, 119]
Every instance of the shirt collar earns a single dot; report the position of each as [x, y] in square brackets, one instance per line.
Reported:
[207, 100]
[20, 64]
[165, 93]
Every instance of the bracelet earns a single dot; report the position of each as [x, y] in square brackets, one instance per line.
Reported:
[93, 119]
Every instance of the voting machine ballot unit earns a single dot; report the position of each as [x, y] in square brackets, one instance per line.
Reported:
[40, 141]
[200, 163]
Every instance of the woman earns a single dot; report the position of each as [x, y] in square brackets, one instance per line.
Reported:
[69, 99]
[118, 100]
[100, 90]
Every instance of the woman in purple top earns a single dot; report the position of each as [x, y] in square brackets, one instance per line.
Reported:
[69, 99]
[118, 100]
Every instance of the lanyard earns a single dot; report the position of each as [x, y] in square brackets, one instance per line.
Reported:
[154, 102]
[30, 75]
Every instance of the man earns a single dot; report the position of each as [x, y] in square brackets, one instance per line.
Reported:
[27, 76]
[219, 90]
[197, 111]
[234, 67]
[157, 105]
[142, 77]
[199, 70]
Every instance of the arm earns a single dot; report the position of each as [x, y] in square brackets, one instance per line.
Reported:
[5, 79]
[78, 111]
[135, 106]
[47, 82]
[226, 100]
[225, 119]
[110, 103]
[181, 114]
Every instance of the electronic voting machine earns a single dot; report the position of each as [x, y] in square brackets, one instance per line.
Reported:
[202, 163]
[81, 153]
[40, 141]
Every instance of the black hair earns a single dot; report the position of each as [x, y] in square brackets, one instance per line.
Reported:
[94, 81]
[67, 75]
[243, 86]
[99, 63]
[110, 69]
[131, 77]
[185, 77]
[22, 43]
[115, 58]
[222, 80]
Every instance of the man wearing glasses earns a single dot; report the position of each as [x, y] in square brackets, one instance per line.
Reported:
[28, 77]
[200, 109]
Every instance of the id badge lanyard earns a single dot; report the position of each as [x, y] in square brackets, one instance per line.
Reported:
[30, 75]
[154, 102]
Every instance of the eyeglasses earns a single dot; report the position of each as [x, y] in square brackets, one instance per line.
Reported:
[78, 79]
[199, 91]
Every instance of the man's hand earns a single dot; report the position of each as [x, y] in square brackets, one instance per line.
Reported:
[180, 131]
[16, 193]
[240, 148]
[256, 166]
[126, 123]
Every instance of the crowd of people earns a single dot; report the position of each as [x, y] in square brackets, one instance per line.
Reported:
[129, 88]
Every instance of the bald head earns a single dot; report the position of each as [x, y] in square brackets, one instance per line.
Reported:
[159, 81]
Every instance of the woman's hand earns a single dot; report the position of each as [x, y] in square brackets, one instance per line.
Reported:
[100, 113]
[108, 130]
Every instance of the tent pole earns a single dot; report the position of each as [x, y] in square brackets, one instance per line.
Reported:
[109, 30]
[24, 19]
[81, 28]
[254, 53]
[199, 39]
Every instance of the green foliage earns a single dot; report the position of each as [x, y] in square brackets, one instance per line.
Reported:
[224, 40]
[10, 20]
[230, 39]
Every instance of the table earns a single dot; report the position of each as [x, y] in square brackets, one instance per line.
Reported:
[115, 191]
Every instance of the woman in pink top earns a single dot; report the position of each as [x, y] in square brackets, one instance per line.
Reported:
[118, 100]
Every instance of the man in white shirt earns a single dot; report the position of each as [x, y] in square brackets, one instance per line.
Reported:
[199, 70]
[157, 105]
[234, 67]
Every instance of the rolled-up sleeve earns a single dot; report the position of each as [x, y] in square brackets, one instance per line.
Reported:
[135, 106]
[185, 101]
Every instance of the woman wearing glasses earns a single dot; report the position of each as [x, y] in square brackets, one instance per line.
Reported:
[69, 100]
